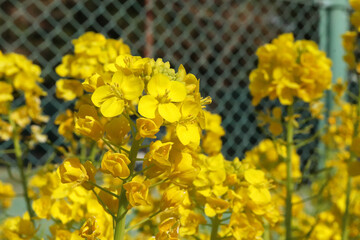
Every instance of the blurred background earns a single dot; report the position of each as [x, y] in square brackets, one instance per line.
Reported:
[215, 40]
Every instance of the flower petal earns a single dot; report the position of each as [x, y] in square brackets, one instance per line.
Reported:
[158, 85]
[177, 91]
[169, 112]
[147, 106]
[101, 94]
[112, 107]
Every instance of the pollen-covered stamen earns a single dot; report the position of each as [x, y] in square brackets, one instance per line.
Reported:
[115, 88]
[205, 101]
[164, 98]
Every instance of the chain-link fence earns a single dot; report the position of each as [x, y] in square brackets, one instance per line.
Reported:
[214, 39]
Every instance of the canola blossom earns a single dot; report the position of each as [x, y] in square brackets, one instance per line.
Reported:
[142, 157]
[290, 69]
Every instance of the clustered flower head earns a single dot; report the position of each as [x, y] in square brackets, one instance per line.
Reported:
[181, 182]
[19, 77]
[142, 157]
[290, 69]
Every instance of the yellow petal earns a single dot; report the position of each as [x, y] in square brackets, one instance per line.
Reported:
[158, 85]
[169, 112]
[190, 109]
[259, 195]
[130, 86]
[112, 107]
[209, 211]
[254, 176]
[147, 106]
[101, 94]
[177, 91]
[188, 133]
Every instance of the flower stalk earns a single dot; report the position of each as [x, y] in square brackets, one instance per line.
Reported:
[214, 227]
[20, 165]
[123, 202]
[345, 218]
[289, 183]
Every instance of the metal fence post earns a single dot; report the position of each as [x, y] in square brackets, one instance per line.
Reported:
[333, 23]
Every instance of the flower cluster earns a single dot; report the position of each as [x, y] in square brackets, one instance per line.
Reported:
[290, 69]
[19, 77]
[145, 149]
[142, 157]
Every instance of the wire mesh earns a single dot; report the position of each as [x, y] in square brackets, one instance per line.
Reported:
[215, 40]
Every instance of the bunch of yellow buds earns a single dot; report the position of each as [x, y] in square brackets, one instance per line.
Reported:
[290, 69]
[20, 94]
[19, 77]
[167, 186]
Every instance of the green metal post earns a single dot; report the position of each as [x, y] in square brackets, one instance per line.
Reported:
[334, 21]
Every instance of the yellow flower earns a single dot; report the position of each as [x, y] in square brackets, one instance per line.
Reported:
[168, 229]
[90, 171]
[137, 191]
[163, 94]
[187, 129]
[89, 229]
[147, 128]
[89, 43]
[117, 130]
[258, 191]
[111, 98]
[172, 197]
[6, 130]
[63, 211]
[87, 122]
[42, 207]
[116, 164]
[355, 4]
[159, 153]
[72, 171]
[34, 109]
[6, 92]
[214, 206]
[183, 170]
[109, 200]
[68, 89]
[355, 20]
[17, 228]
[93, 82]
[245, 226]
[131, 65]
[6, 194]
[349, 40]
[316, 109]
[21, 117]
[66, 124]
[288, 69]
[349, 58]
[190, 221]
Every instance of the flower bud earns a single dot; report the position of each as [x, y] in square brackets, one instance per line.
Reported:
[172, 197]
[137, 191]
[116, 164]
[71, 170]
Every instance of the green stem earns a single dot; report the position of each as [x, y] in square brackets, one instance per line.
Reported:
[109, 145]
[345, 218]
[103, 189]
[123, 202]
[289, 184]
[103, 204]
[20, 164]
[214, 227]
[143, 221]
[267, 233]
